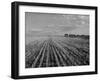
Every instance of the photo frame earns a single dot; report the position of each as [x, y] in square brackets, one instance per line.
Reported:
[52, 40]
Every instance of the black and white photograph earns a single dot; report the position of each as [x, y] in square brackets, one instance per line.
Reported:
[50, 40]
[56, 40]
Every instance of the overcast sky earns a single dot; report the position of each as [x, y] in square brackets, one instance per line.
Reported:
[55, 24]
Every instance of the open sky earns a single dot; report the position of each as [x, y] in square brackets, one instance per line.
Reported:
[55, 24]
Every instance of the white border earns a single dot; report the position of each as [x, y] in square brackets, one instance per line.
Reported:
[38, 71]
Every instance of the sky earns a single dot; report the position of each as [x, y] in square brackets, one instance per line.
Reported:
[55, 24]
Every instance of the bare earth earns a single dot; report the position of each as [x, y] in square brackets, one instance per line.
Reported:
[57, 52]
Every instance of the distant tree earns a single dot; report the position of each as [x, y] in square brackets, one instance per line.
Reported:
[66, 35]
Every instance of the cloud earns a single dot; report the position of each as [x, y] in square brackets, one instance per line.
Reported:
[44, 24]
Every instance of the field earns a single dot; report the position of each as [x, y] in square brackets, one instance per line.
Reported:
[57, 52]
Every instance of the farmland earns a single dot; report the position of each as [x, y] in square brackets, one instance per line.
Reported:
[57, 52]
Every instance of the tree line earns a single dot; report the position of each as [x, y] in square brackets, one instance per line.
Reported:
[79, 36]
